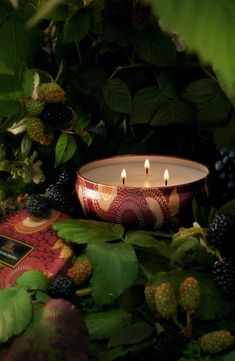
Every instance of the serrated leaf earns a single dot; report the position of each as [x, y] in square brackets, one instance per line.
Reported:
[114, 270]
[33, 280]
[147, 102]
[65, 148]
[140, 239]
[202, 36]
[88, 231]
[155, 48]
[212, 105]
[172, 111]
[117, 96]
[47, 337]
[228, 207]
[77, 26]
[91, 80]
[100, 325]
[130, 335]
[15, 312]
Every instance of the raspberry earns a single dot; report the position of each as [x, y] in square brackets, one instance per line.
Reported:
[189, 293]
[47, 137]
[34, 107]
[216, 341]
[66, 177]
[223, 273]
[149, 293]
[62, 287]
[169, 346]
[38, 206]
[50, 93]
[56, 115]
[80, 272]
[220, 231]
[35, 129]
[59, 198]
[165, 300]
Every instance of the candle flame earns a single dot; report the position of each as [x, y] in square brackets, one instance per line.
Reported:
[123, 176]
[146, 166]
[166, 176]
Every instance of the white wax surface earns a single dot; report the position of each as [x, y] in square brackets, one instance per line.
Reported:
[108, 171]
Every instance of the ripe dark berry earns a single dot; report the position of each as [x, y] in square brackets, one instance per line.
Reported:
[169, 346]
[62, 287]
[220, 231]
[38, 206]
[58, 197]
[66, 177]
[225, 174]
[223, 274]
[56, 115]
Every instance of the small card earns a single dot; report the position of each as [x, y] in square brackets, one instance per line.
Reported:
[12, 251]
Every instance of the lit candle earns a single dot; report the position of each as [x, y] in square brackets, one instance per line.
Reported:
[146, 166]
[166, 176]
[123, 176]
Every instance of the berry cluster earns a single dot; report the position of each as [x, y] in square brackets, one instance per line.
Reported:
[47, 113]
[62, 287]
[80, 272]
[58, 196]
[225, 173]
[163, 300]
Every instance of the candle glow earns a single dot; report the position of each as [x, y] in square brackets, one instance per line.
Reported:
[146, 166]
[166, 176]
[123, 176]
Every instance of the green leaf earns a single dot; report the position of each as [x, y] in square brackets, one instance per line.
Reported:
[33, 280]
[88, 231]
[172, 111]
[28, 82]
[15, 312]
[86, 137]
[212, 105]
[156, 48]
[147, 240]
[65, 149]
[130, 335]
[230, 356]
[5, 69]
[115, 269]
[117, 96]
[228, 207]
[113, 354]
[101, 325]
[203, 36]
[57, 333]
[91, 80]
[224, 136]
[140, 239]
[17, 42]
[77, 26]
[144, 103]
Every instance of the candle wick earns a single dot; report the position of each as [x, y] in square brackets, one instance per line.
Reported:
[146, 171]
[123, 181]
[166, 182]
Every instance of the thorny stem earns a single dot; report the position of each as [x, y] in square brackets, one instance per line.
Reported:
[177, 323]
[78, 51]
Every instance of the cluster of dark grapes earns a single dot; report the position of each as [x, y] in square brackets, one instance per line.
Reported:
[225, 172]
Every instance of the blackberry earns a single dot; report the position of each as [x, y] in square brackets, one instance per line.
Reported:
[220, 231]
[66, 177]
[225, 173]
[56, 115]
[58, 197]
[38, 206]
[62, 287]
[223, 274]
[169, 346]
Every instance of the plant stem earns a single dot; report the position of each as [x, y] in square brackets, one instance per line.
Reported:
[126, 67]
[78, 51]
[208, 73]
[83, 292]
